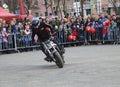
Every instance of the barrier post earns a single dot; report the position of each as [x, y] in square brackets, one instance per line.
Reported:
[15, 43]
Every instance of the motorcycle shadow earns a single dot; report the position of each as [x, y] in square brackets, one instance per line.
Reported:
[34, 68]
[48, 67]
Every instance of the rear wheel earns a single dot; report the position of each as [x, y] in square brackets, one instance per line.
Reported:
[58, 60]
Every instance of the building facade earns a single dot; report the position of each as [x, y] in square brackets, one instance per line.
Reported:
[72, 7]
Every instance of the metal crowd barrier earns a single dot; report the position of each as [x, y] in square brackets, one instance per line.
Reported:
[9, 44]
[112, 37]
[18, 42]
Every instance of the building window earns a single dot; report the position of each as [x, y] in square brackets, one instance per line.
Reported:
[43, 1]
[55, 1]
[36, 2]
[118, 11]
[88, 11]
[88, 0]
[76, 0]
[109, 11]
[1, 3]
[36, 14]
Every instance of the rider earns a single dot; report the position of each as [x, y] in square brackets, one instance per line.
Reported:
[44, 32]
[39, 28]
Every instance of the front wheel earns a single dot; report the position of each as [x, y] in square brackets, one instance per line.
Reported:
[58, 60]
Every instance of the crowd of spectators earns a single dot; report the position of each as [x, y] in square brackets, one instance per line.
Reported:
[69, 29]
[74, 28]
[14, 32]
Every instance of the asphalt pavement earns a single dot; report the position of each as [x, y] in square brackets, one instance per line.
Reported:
[86, 66]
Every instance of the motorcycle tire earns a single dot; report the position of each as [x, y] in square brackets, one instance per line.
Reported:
[59, 61]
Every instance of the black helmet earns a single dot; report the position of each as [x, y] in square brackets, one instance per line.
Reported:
[35, 23]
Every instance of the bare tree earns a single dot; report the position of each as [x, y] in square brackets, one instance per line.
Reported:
[46, 7]
[82, 12]
[48, 3]
[64, 7]
[58, 9]
[114, 2]
[58, 6]
[27, 5]
[51, 5]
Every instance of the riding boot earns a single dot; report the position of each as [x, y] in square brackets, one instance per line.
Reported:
[48, 59]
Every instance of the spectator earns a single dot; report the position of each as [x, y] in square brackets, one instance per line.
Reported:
[69, 28]
[0, 41]
[102, 18]
[5, 38]
[13, 27]
[113, 29]
[96, 26]
[21, 38]
[118, 21]
[88, 23]
[64, 29]
[27, 36]
[118, 25]
[10, 38]
[100, 28]
[60, 34]
[74, 30]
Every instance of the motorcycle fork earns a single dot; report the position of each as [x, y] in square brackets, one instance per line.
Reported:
[46, 51]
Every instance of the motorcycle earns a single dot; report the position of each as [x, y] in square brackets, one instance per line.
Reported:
[52, 51]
